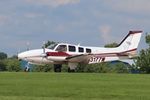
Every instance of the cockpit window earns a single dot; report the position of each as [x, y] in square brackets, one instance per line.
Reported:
[52, 46]
[61, 48]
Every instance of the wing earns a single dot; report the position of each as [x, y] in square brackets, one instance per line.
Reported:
[95, 58]
[82, 58]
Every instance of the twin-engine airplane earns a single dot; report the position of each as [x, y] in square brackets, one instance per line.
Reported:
[64, 53]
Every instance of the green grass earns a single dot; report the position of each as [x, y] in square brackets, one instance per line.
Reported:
[76, 86]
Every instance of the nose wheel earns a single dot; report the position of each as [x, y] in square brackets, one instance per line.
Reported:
[27, 67]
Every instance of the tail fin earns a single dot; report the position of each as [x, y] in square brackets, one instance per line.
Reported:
[130, 43]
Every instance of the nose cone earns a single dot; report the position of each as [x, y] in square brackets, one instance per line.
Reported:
[30, 54]
[21, 56]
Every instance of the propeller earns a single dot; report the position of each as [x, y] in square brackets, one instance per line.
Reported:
[44, 55]
[44, 51]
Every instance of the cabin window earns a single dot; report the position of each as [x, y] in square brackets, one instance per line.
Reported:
[61, 48]
[81, 49]
[72, 48]
[88, 50]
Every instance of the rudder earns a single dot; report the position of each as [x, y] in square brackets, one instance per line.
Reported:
[131, 41]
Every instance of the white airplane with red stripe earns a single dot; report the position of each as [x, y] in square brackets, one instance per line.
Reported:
[64, 53]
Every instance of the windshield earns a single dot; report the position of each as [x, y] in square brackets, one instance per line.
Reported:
[52, 46]
[61, 48]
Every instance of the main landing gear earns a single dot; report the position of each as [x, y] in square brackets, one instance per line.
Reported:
[72, 67]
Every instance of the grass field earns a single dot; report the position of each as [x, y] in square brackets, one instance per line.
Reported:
[76, 86]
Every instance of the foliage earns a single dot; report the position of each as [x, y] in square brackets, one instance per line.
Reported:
[48, 43]
[42, 68]
[12, 64]
[48, 68]
[2, 65]
[3, 55]
[147, 39]
[9, 64]
[108, 67]
[111, 45]
[143, 60]
[119, 67]
[64, 68]
[85, 68]
[14, 57]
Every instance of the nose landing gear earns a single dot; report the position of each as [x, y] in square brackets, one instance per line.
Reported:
[27, 67]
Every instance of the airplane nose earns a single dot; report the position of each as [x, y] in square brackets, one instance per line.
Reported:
[20, 56]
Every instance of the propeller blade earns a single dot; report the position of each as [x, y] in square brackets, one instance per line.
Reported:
[44, 47]
[44, 54]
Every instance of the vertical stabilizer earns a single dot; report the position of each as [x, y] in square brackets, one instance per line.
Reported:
[131, 41]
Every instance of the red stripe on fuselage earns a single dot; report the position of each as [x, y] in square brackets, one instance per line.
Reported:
[63, 54]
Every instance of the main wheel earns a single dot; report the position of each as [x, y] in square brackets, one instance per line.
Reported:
[57, 67]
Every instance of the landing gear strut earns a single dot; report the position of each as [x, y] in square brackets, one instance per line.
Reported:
[27, 67]
[57, 67]
[72, 67]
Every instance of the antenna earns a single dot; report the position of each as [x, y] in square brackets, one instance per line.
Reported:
[28, 45]
[79, 44]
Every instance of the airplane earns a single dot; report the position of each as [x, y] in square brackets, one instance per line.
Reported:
[64, 53]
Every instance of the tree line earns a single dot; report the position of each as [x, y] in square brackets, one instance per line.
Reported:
[9, 63]
[142, 63]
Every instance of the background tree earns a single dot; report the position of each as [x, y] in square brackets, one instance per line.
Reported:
[143, 60]
[93, 68]
[12, 64]
[119, 67]
[42, 68]
[48, 43]
[111, 45]
[2, 65]
[3, 56]
[147, 39]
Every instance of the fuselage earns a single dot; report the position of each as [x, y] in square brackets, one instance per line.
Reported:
[59, 52]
